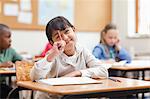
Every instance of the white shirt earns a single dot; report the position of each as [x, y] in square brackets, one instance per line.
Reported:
[82, 60]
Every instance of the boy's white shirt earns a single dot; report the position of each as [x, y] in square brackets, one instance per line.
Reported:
[83, 60]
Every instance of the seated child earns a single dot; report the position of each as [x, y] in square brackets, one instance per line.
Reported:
[8, 56]
[109, 47]
[66, 57]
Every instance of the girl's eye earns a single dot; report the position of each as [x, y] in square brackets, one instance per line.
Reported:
[56, 37]
[67, 32]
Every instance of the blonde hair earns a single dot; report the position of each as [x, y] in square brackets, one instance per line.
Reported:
[104, 31]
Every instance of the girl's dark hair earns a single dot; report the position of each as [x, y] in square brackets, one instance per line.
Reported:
[57, 23]
[104, 31]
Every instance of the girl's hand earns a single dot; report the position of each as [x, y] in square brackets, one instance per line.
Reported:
[58, 47]
[117, 45]
[73, 74]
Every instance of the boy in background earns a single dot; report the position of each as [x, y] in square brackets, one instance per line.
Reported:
[8, 57]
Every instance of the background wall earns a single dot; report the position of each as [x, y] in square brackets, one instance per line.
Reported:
[34, 41]
[122, 15]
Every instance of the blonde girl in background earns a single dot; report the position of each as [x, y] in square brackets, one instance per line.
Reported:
[109, 48]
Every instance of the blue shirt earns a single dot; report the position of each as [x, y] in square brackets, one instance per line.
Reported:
[100, 52]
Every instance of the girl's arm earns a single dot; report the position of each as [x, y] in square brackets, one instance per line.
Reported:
[42, 67]
[94, 66]
[124, 55]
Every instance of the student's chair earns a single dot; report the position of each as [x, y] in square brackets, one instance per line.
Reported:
[23, 70]
[22, 74]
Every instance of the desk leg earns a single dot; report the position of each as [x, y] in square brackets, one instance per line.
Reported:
[143, 74]
[9, 80]
[143, 78]
[124, 74]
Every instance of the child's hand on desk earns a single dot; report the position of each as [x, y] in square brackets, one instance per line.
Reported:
[73, 74]
[58, 47]
[7, 64]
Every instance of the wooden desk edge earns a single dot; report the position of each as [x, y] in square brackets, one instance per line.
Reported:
[51, 89]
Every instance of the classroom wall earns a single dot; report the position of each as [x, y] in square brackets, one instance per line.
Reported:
[122, 14]
[34, 42]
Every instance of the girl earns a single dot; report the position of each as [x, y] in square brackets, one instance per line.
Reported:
[109, 48]
[66, 58]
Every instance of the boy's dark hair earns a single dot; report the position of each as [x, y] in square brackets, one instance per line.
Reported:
[57, 23]
[2, 27]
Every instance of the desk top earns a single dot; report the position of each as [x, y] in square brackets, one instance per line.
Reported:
[106, 86]
[130, 68]
[134, 65]
[6, 71]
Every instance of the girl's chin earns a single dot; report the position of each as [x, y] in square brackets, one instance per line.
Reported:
[69, 46]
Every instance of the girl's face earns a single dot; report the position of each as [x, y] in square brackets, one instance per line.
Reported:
[68, 36]
[111, 37]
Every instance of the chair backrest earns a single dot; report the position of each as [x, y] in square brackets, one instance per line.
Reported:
[23, 70]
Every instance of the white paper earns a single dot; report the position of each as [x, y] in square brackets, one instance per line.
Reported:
[133, 63]
[25, 5]
[68, 80]
[139, 63]
[120, 63]
[8, 69]
[109, 65]
[10, 9]
[25, 17]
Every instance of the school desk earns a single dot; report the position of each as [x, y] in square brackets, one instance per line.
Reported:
[7, 73]
[136, 65]
[108, 88]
